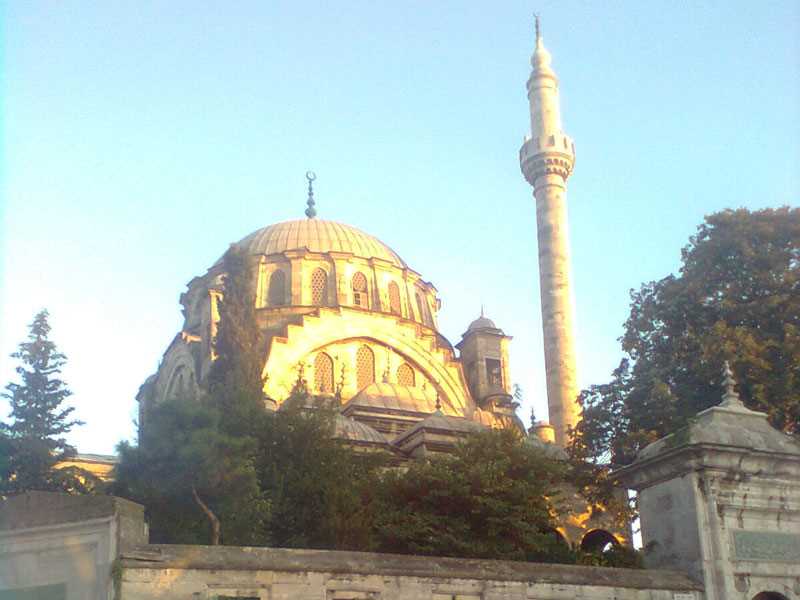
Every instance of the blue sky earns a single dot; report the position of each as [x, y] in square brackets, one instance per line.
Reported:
[140, 138]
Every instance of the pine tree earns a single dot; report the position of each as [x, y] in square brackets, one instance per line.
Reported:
[33, 443]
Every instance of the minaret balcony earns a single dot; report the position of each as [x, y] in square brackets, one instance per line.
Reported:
[548, 154]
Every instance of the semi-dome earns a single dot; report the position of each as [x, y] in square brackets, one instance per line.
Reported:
[317, 235]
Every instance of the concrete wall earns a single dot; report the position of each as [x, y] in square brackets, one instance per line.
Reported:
[202, 572]
[63, 547]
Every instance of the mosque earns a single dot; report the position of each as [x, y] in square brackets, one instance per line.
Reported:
[343, 311]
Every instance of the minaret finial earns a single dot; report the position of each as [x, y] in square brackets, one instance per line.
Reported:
[538, 28]
[481, 310]
[730, 397]
[311, 212]
[438, 403]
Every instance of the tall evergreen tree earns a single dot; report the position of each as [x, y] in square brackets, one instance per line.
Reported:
[33, 443]
[234, 383]
[196, 458]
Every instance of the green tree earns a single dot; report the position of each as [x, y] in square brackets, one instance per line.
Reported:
[495, 497]
[193, 477]
[234, 383]
[196, 457]
[737, 297]
[33, 443]
[320, 491]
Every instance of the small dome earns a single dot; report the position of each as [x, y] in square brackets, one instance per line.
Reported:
[317, 235]
[481, 323]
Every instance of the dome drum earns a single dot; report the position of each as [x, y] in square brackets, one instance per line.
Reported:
[341, 266]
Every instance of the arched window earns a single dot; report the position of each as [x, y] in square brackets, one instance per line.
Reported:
[394, 299]
[319, 287]
[277, 288]
[365, 367]
[769, 596]
[360, 290]
[598, 540]
[323, 373]
[405, 375]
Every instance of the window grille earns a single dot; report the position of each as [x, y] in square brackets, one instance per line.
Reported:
[277, 288]
[323, 373]
[360, 297]
[394, 299]
[319, 288]
[365, 367]
[405, 375]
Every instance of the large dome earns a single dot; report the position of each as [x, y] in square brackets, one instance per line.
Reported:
[317, 235]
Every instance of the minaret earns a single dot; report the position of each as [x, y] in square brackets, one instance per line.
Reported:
[546, 159]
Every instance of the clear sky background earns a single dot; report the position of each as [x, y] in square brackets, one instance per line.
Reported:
[140, 138]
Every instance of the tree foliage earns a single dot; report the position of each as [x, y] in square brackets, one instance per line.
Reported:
[196, 457]
[320, 491]
[736, 298]
[197, 481]
[495, 497]
[234, 383]
[33, 443]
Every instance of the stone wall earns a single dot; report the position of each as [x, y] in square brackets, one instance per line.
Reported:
[720, 500]
[63, 547]
[203, 572]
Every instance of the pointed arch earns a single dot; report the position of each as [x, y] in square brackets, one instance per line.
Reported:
[360, 290]
[319, 287]
[406, 376]
[394, 299]
[277, 288]
[323, 373]
[365, 367]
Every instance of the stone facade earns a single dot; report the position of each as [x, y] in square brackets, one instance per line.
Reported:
[720, 500]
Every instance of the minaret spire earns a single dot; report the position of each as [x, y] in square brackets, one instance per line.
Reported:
[311, 212]
[546, 159]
